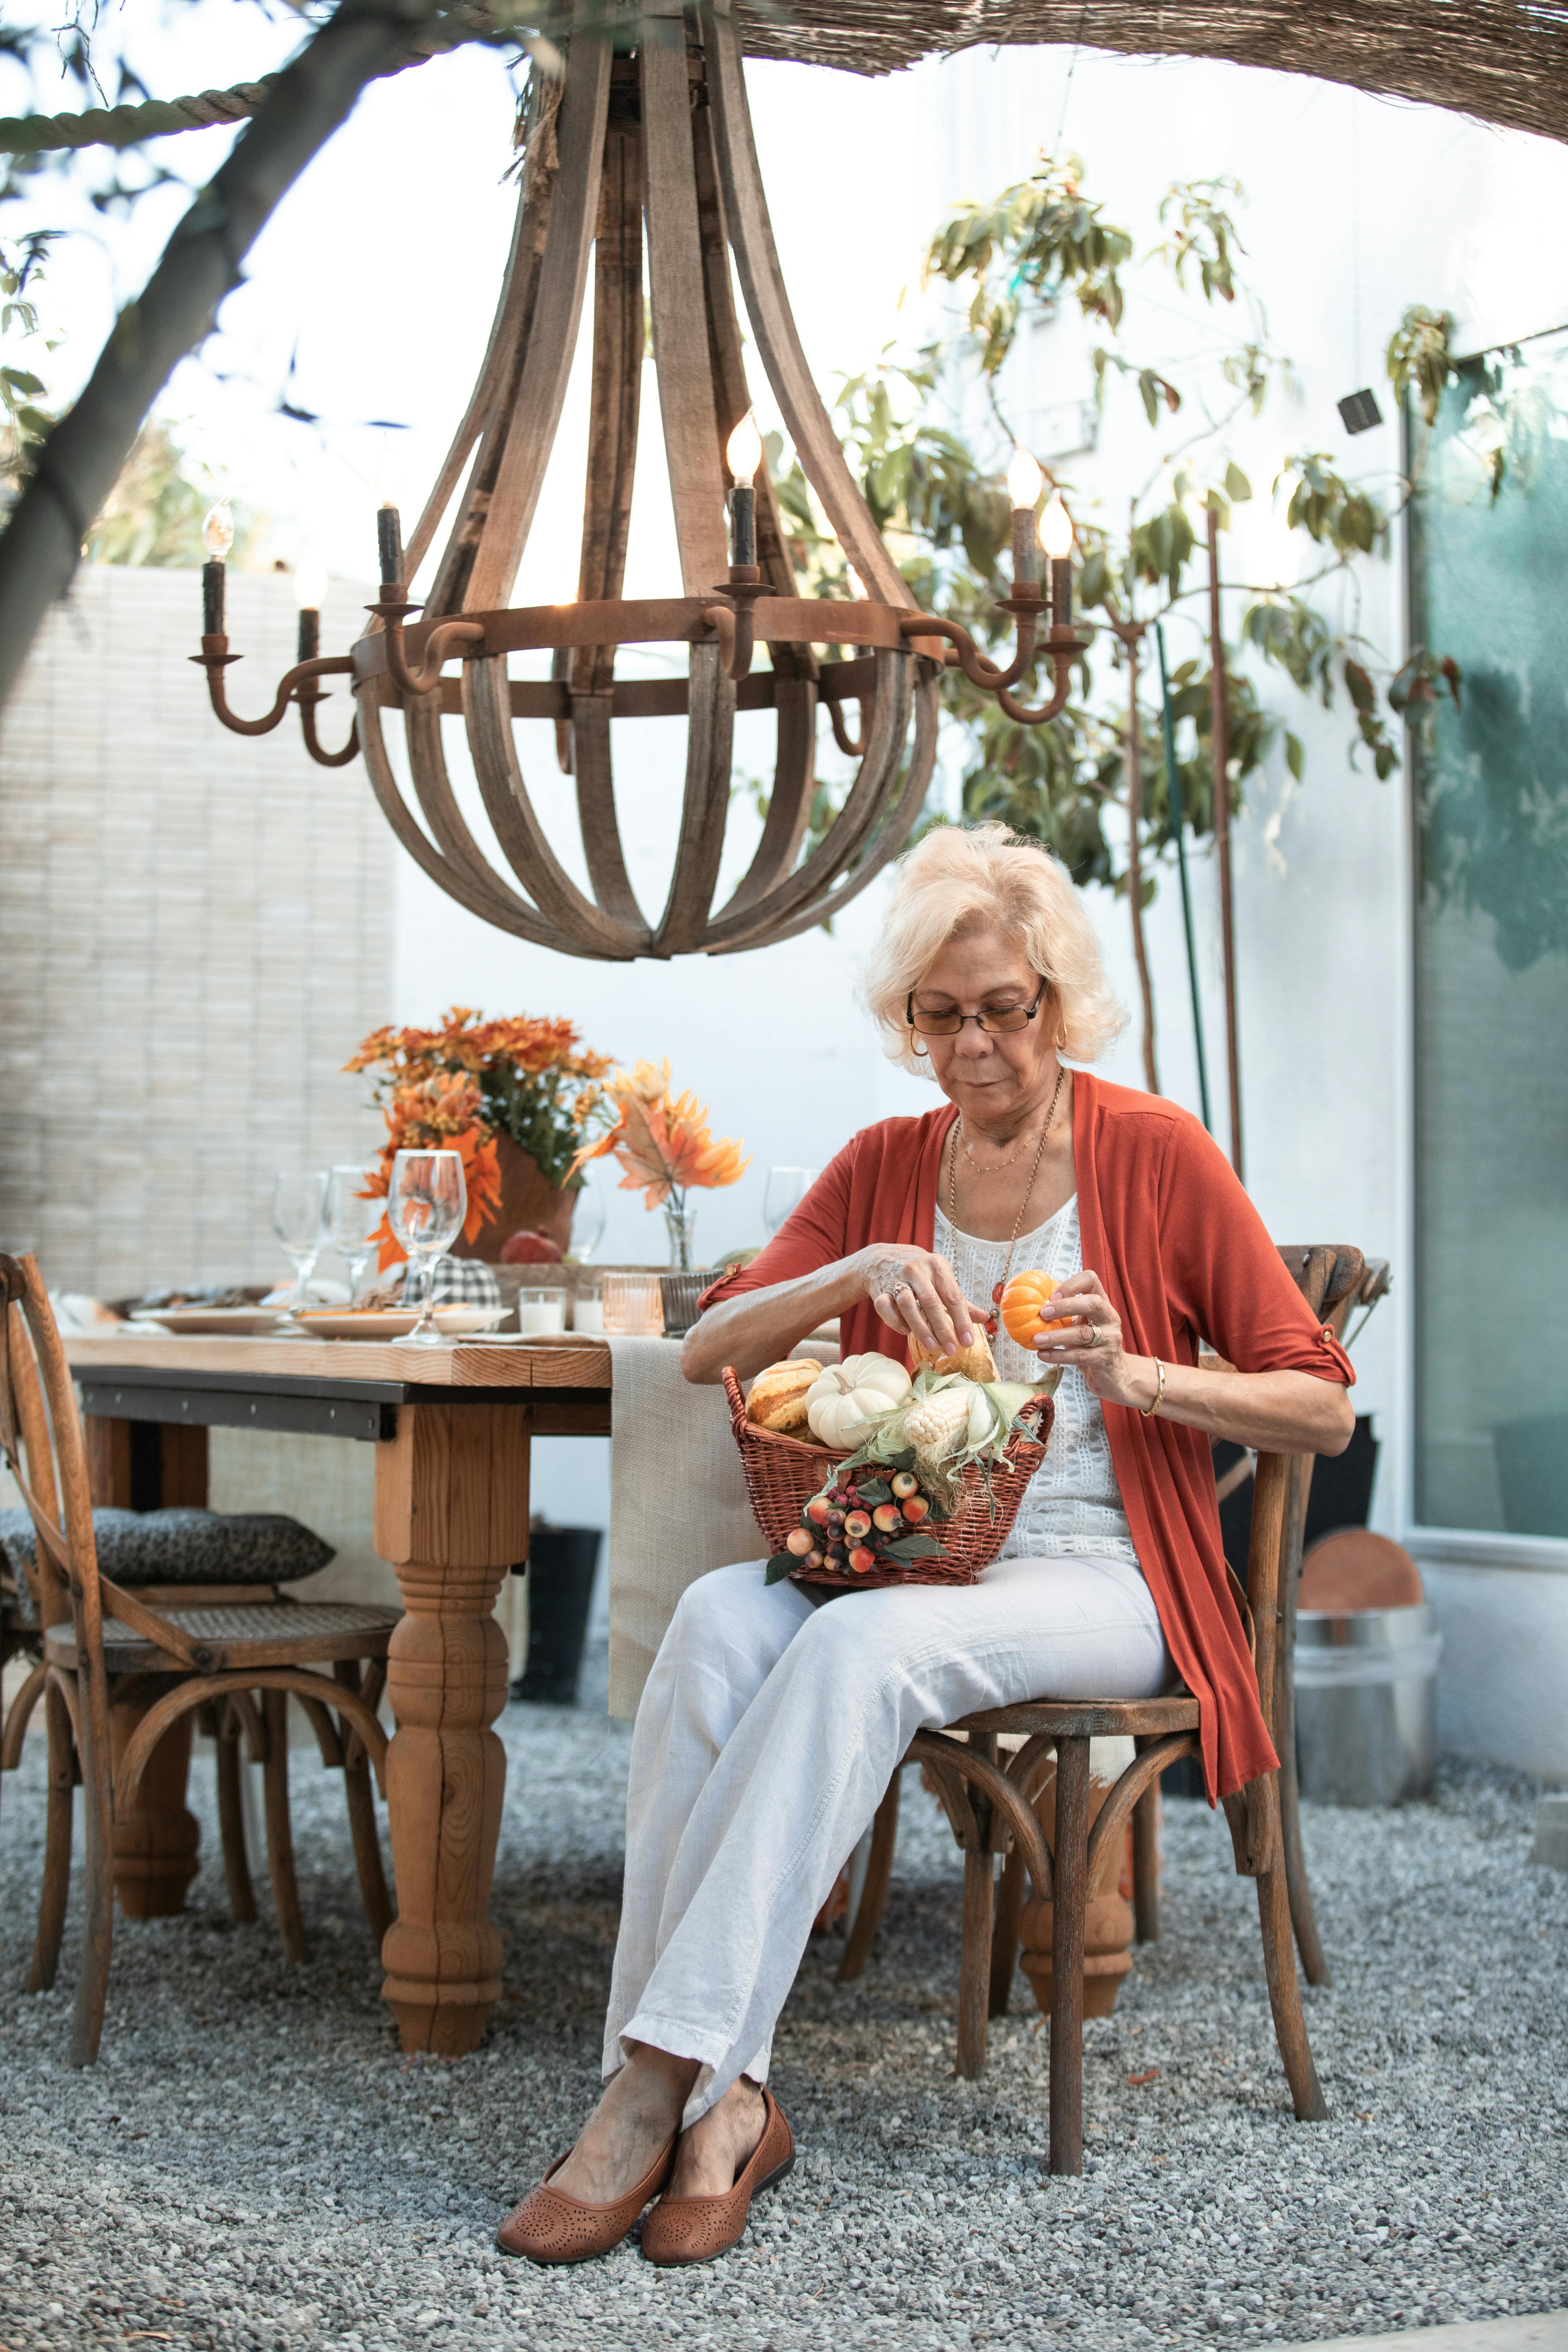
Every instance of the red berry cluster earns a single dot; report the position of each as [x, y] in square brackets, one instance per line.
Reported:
[853, 1527]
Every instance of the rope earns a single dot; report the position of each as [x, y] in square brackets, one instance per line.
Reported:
[127, 126]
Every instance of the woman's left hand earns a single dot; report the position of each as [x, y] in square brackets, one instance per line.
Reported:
[1092, 1344]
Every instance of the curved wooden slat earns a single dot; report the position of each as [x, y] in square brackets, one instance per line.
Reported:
[1111, 1824]
[772, 323]
[520, 450]
[487, 707]
[509, 914]
[686, 403]
[886, 728]
[201, 1689]
[593, 770]
[705, 807]
[17, 1717]
[936, 1748]
[896, 825]
[731, 392]
[789, 804]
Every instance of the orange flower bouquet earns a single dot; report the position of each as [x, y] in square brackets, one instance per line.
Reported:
[663, 1144]
[459, 1086]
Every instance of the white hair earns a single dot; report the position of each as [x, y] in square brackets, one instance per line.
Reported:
[965, 879]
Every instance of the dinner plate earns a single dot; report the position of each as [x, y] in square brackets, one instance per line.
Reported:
[393, 1322]
[195, 1322]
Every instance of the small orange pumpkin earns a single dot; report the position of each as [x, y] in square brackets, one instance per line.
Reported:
[1023, 1307]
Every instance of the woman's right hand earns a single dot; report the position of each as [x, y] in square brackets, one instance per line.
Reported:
[915, 1292]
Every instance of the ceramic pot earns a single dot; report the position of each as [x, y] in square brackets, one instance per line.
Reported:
[527, 1199]
[1108, 1915]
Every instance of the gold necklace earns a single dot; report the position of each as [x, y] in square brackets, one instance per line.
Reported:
[990, 1321]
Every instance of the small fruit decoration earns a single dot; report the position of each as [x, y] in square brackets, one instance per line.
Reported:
[1023, 1305]
[859, 1521]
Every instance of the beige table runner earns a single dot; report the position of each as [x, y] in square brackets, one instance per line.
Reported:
[678, 1500]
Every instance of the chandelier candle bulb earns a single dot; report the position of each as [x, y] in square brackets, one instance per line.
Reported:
[217, 538]
[389, 540]
[1025, 483]
[309, 587]
[1056, 537]
[744, 455]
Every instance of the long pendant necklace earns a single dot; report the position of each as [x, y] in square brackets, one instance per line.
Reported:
[989, 1322]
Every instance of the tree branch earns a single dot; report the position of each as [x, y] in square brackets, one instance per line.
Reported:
[78, 464]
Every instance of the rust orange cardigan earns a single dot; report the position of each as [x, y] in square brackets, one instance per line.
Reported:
[1181, 1253]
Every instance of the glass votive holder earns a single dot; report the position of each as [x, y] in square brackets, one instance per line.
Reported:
[588, 1302]
[541, 1310]
[633, 1303]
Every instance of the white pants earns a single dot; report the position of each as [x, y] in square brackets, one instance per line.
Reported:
[767, 1735]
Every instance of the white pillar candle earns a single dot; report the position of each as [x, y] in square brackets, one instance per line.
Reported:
[542, 1314]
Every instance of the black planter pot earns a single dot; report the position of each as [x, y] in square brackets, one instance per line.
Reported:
[561, 1562]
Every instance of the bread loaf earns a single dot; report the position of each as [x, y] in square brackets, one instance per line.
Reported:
[778, 1400]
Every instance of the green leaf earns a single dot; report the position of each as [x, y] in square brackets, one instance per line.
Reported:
[1295, 757]
[874, 1490]
[1237, 487]
[915, 1547]
[783, 1564]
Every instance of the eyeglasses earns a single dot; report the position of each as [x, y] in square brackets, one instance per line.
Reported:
[996, 1025]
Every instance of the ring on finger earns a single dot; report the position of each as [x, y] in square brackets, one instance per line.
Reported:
[1093, 1339]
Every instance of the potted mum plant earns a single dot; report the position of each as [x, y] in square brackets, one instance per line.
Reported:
[519, 1098]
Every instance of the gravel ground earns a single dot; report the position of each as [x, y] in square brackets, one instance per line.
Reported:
[252, 2163]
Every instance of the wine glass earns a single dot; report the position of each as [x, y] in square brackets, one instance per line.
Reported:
[786, 1189]
[426, 1206]
[299, 1210]
[588, 1221]
[353, 1217]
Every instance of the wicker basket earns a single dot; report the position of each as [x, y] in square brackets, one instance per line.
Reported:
[783, 1474]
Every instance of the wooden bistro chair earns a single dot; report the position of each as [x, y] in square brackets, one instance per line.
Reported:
[103, 1645]
[989, 1800]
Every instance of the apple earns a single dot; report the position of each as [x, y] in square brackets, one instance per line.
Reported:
[797, 1541]
[860, 1560]
[817, 1512]
[915, 1507]
[884, 1517]
[905, 1483]
[529, 1248]
[857, 1525]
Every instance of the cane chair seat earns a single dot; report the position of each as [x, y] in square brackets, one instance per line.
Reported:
[280, 1634]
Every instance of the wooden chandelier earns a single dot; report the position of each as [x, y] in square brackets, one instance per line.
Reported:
[661, 136]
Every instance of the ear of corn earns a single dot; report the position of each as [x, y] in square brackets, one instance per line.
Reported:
[936, 1425]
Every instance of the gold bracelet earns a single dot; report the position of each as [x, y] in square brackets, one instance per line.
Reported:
[1149, 1410]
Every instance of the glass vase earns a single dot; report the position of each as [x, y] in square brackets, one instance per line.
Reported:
[682, 1225]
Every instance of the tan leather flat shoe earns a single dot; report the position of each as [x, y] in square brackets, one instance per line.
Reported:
[551, 2227]
[695, 2229]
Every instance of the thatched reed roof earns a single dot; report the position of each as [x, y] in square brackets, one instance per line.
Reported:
[1503, 61]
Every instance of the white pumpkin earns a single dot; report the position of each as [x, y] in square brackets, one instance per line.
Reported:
[849, 1396]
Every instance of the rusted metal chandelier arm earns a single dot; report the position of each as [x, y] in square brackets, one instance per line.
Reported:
[444, 640]
[735, 624]
[215, 657]
[308, 700]
[1062, 644]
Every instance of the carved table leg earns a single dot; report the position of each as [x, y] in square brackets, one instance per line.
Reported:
[451, 1514]
[143, 1466]
[154, 1845]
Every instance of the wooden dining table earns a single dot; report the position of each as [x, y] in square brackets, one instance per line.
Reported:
[451, 1427]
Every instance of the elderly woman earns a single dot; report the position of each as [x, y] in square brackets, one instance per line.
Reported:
[770, 1727]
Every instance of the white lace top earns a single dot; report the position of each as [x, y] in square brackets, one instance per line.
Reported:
[1073, 1504]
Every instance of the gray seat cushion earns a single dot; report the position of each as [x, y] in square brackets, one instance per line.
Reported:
[185, 1547]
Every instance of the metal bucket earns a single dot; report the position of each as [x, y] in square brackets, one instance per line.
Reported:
[1366, 1704]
